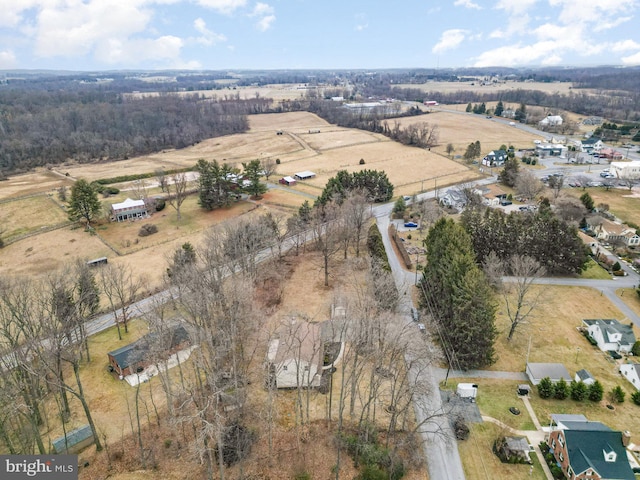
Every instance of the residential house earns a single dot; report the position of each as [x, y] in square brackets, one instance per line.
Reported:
[508, 113]
[592, 121]
[591, 144]
[136, 356]
[295, 356]
[625, 170]
[585, 377]
[597, 454]
[492, 195]
[555, 371]
[590, 242]
[611, 335]
[495, 158]
[631, 371]
[128, 209]
[454, 198]
[613, 232]
[551, 121]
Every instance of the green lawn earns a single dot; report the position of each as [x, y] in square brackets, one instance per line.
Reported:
[594, 271]
[621, 202]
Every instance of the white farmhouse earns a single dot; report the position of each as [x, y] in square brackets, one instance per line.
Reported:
[611, 335]
[551, 121]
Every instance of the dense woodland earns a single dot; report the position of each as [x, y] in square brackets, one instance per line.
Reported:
[47, 119]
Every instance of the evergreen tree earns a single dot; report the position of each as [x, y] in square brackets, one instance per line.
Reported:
[509, 173]
[546, 388]
[596, 391]
[561, 389]
[84, 203]
[635, 397]
[304, 212]
[587, 201]
[253, 172]
[617, 394]
[579, 391]
[521, 113]
[499, 109]
[214, 184]
[455, 288]
[469, 108]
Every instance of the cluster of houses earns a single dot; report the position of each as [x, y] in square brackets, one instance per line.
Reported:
[611, 232]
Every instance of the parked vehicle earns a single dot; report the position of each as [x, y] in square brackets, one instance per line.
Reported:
[410, 224]
[422, 328]
[415, 314]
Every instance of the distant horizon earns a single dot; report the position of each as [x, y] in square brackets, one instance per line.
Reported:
[215, 35]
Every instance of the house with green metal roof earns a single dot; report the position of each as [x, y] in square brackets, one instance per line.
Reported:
[597, 454]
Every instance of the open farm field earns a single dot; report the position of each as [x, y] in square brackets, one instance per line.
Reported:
[338, 137]
[40, 254]
[476, 86]
[462, 129]
[289, 91]
[286, 121]
[28, 215]
[39, 181]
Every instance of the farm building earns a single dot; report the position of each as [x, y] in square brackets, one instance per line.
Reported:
[289, 181]
[97, 262]
[306, 175]
[294, 357]
[136, 356]
[74, 441]
[555, 371]
[430, 103]
[545, 150]
[128, 209]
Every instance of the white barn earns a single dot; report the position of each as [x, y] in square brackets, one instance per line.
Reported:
[306, 175]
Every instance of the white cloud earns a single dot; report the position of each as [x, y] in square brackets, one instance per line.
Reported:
[165, 50]
[467, 4]
[265, 11]
[608, 25]
[515, 7]
[362, 22]
[222, 6]
[207, 37]
[450, 39]
[265, 23]
[7, 59]
[625, 46]
[517, 54]
[631, 59]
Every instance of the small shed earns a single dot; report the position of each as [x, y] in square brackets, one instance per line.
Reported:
[306, 175]
[97, 262]
[74, 441]
[289, 181]
[524, 389]
[515, 448]
[467, 390]
[585, 377]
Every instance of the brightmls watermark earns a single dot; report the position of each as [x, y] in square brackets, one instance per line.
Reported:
[48, 467]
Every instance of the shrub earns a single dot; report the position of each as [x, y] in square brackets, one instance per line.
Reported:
[111, 190]
[147, 229]
[636, 349]
[617, 394]
[302, 476]
[408, 236]
[635, 396]
[616, 267]
[160, 204]
[361, 161]
[596, 391]
[277, 161]
[534, 161]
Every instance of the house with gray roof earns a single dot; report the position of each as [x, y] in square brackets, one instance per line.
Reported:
[631, 371]
[594, 454]
[74, 441]
[454, 198]
[611, 335]
[555, 371]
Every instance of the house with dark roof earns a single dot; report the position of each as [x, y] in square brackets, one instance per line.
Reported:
[591, 144]
[611, 335]
[590, 454]
[495, 158]
[631, 371]
[136, 356]
[555, 371]
[454, 198]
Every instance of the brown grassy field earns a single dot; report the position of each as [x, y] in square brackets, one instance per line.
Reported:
[40, 181]
[28, 215]
[624, 204]
[476, 86]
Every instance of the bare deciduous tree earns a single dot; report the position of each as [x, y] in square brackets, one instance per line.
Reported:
[177, 191]
[121, 287]
[528, 185]
[269, 167]
[520, 298]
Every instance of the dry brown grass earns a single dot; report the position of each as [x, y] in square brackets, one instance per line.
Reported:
[40, 181]
[449, 87]
[28, 215]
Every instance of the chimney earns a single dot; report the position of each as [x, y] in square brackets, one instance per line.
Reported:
[626, 438]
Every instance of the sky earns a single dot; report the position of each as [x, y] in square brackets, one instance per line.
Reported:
[96, 35]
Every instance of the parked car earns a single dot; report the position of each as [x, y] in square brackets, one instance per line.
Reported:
[406, 198]
[422, 328]
[410, 224]
[504, 203]
[595, 184]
